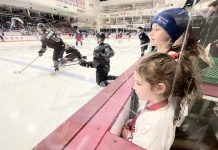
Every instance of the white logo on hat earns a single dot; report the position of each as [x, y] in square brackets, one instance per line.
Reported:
[162, 20]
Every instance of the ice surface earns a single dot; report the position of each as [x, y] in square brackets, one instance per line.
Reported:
[33, 103]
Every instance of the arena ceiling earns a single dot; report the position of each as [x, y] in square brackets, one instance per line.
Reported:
[39, 5]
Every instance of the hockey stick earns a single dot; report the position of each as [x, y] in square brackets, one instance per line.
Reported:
[71, 64]
[27, 65]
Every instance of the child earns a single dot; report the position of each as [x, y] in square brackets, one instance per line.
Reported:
[101, 61]
[162, 83]
[168, 27]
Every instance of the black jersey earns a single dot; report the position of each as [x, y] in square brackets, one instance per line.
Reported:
[51, 40]
[71, 50]
[1, 33]
[102, 54]
[143, 38]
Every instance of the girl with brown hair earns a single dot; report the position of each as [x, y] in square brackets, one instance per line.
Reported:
[162, 82]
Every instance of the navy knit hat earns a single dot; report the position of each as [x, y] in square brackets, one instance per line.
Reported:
[173, 20]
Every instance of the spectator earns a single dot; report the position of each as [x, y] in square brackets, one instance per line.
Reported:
[209, 32]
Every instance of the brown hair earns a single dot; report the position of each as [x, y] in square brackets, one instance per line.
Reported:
[181, 79]
[194, 50]
[214, 4]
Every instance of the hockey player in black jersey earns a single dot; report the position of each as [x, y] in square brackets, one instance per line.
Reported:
[144, 40]
[101, 61]
[51, 40]
[1, 35]
[72, 53]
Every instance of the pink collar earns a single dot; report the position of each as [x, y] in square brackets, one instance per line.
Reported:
[158, 105]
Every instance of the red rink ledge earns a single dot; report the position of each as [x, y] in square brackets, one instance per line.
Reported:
[69, 130]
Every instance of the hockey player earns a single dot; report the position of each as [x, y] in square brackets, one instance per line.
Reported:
[72, 53]
[144, 40]
[129, 34]
[50, 39]
[1, 35]
[101, 61]
[78, 37]
[120, 36]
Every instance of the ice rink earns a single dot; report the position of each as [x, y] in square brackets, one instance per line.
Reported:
[34, 103]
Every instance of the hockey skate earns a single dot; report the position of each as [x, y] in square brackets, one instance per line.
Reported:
[103, 83]
[55, 72]
[111, 77]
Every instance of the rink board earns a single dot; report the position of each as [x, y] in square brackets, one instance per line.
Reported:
[93, 121]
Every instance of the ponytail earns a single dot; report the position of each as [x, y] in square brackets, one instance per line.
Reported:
[186, 85]
[192, 48]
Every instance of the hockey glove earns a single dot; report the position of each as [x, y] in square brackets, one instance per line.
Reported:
[84, 57]
[84, 63]
[41, 52]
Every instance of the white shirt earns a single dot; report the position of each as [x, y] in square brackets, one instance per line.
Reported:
[154, 130]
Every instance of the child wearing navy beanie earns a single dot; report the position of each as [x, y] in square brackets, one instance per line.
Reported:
[174, 21]
[171, 24]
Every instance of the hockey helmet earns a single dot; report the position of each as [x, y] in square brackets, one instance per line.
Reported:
[75, 27]
[100, 35]
[67, 46]
[41, 27]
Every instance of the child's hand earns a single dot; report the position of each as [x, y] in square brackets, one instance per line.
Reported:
[126, 134]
